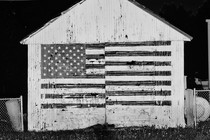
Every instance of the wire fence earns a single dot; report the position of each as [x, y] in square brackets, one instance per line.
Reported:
[11, 114]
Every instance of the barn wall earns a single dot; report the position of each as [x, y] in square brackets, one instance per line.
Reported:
[34, 75]
[96, 21]
[141, 93]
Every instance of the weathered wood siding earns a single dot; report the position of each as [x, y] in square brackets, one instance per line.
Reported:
[134, 69]
[96, 21]
[144, 85]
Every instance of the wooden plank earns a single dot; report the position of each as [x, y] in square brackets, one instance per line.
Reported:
[95, 61]
[95, 56]
[138, 53]
[74, 81]
[63, 106]
[72, 96]
[138, 48]
[70, 86]
[139, 98]
[95, 71]
[138, 73]
[94, 51]
[129, 88]
[139, 63]
[134, 68]
[138, 83]
[144, 43]
[139, 93]
[138, 78]
[139, 103]
[74, 90]
[138, 58]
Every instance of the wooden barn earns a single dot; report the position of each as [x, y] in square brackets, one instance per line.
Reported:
[105, 61]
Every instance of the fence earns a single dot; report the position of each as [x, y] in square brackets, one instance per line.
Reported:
[202, 106]
[11, 114]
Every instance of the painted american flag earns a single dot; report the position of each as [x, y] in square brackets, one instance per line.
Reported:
[63, 61]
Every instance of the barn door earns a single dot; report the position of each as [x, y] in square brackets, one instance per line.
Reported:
[138, 84]
[72, 86]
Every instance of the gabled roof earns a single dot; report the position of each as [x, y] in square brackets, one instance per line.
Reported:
[132, 1]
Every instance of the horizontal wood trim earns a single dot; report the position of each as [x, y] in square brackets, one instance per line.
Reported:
[49, 86]
[140, 103]
[72, 96]
[140, 63]
[141, 73]
[138, 53]
[139, 93]
[139, 83]
[63, 106]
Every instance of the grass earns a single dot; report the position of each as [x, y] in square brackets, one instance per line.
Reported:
[202, 132]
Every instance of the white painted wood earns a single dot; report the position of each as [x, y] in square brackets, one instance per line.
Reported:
[73, 81]
[72, 118]
[138, 58]
[33, 87]
[96, 21]
[138, 48]
[129, 88]
[126, 116]
[139, 98]
[138, 68]
[74, 101]
[90, 51]
[95, 71]
[138, 78]
[75, 90]
[95, 61]
[178, 83]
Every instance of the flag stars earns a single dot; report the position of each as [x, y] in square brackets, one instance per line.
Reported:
[63, 61]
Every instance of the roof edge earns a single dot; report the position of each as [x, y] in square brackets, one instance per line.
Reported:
[23, 41]
[160, 18]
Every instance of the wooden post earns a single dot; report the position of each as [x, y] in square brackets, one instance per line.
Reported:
[208, 24]
[189, 108]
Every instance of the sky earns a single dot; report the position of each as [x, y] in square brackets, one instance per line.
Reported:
[22, 17]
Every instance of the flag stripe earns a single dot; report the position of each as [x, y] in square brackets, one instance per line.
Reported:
[139, 83]
[128, 88]
[134, 68]
[72, 90]
[54, 86]
[140, 63]
[139, 93]
[138, 78]
[138, 73]
[140, 103]
[72, 96]
[138, 53]
[137, 58]
[63, 106]
[74, 81]
[146, 43]
[138, 48]
[139, 98]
